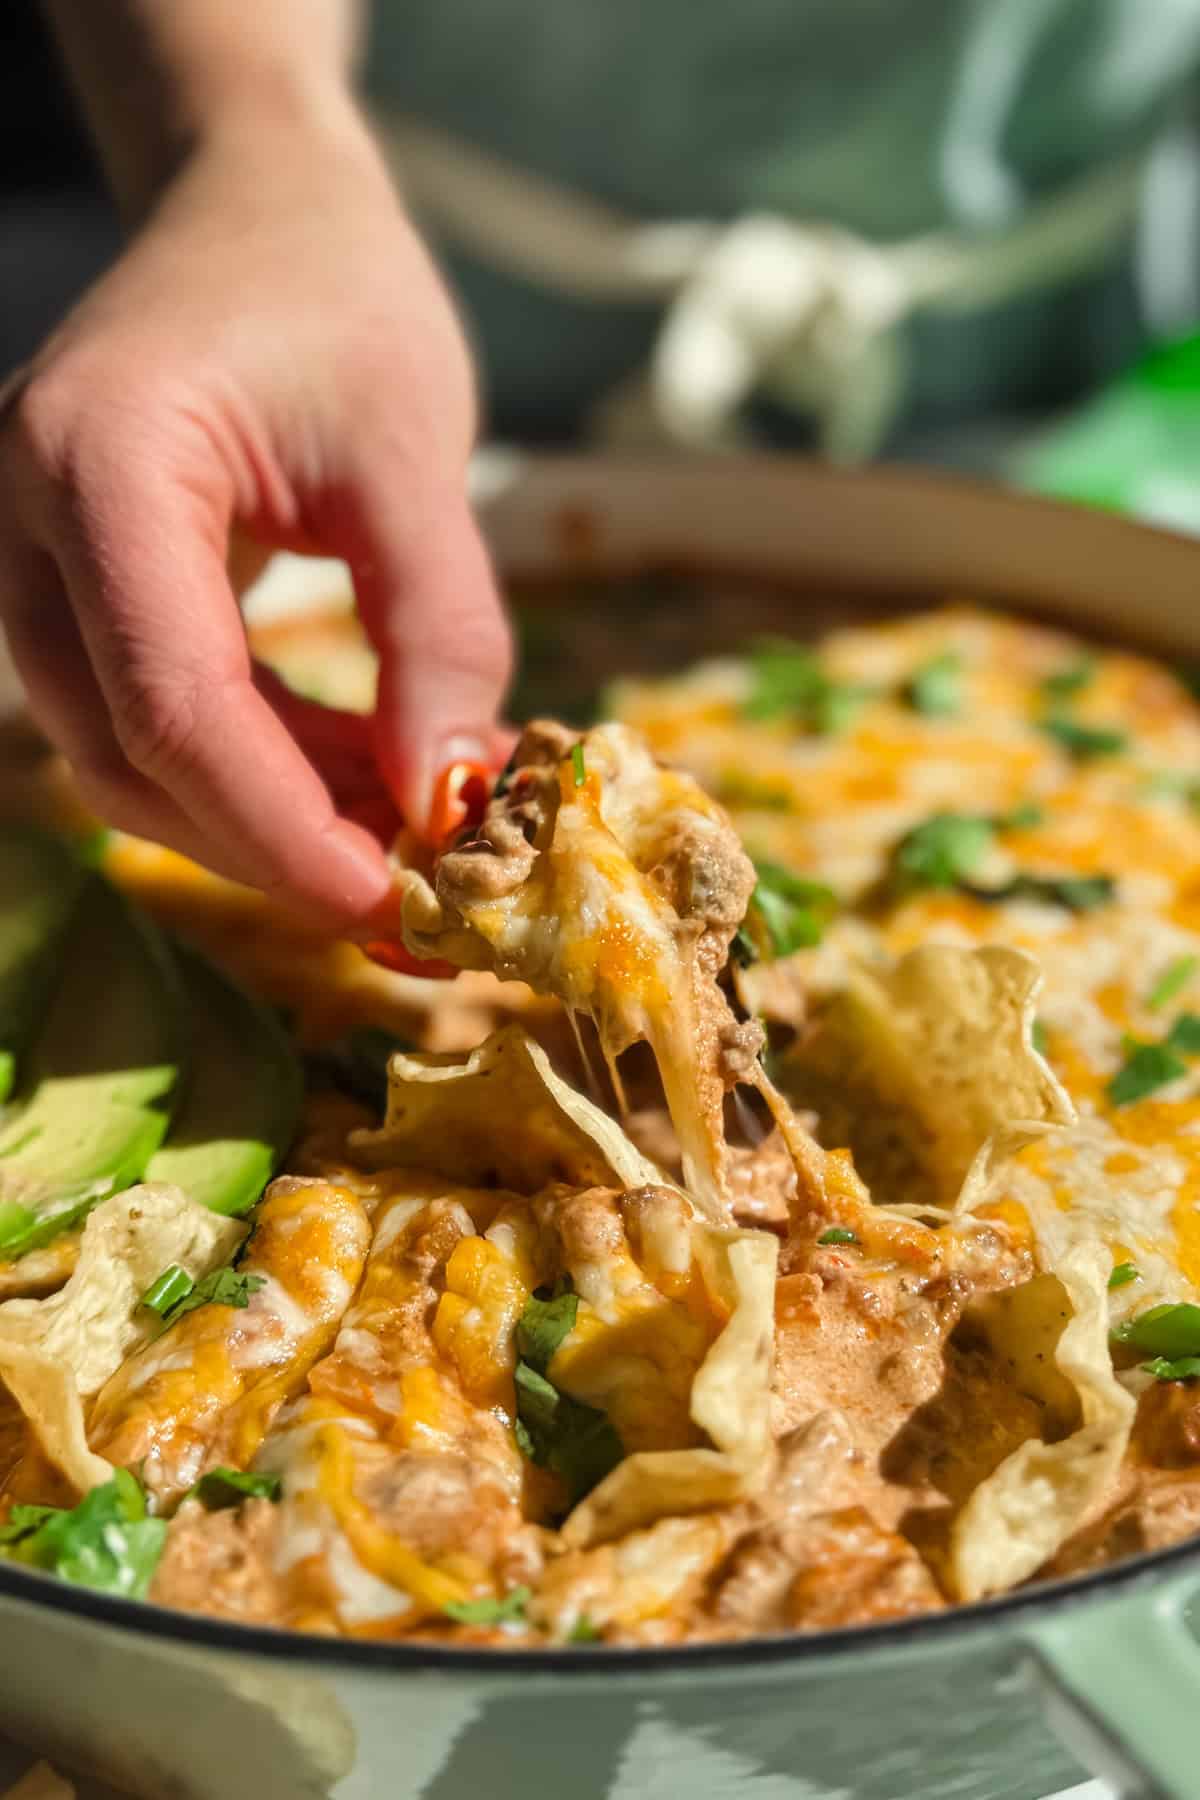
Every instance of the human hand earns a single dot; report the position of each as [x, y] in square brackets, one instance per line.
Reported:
[275, 354]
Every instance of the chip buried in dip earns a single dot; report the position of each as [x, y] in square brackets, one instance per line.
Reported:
[487, 1345]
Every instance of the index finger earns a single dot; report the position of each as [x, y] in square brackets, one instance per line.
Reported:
[143, 563]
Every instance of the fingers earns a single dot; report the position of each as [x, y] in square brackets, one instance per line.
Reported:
[429, 602]
[340, 745]
[65, 701]
[199, 754]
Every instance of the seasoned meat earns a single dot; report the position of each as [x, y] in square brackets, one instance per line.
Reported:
[222, 1563]
[1166, 1432]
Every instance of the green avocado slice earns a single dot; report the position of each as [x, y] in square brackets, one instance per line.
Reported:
[94, 1104]
[239, 1109]
[40, 883]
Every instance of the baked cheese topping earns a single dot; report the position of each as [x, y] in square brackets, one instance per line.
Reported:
[516, 1368]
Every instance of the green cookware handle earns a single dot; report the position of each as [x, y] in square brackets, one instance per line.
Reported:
[1121, 1682]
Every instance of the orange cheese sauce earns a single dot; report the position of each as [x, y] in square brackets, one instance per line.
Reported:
[833, 807]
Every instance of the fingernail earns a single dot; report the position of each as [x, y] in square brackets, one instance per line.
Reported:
[461, 747]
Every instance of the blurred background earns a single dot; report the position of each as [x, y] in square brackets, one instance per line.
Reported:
[959, 231]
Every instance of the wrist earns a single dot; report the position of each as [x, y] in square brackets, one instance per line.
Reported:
[268, 140]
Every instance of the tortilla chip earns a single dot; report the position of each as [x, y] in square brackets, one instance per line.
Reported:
[920, 1067]
[500, 1116]
[730, 1402]
[617, 885]
[1042, 1493]
[56, 1353]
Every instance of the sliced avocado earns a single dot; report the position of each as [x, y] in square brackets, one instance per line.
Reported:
[94, 1103]
[40, 882]
[238, 1112]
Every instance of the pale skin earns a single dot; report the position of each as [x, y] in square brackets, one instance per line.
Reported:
[274, 358]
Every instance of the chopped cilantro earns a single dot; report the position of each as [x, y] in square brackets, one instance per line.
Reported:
[1084, 741]
[1169, 1330]
[734, 788]
[1183, 1368]
[106, 1542]
[222, 1488]
[940, 852]
[167, 1290]
[1040, 1040]
[549, 1316]
[788, 681]
[1071, 679]
[1147, 1067]
[1020, 817]
[1078, 893]
[583, 1631]
[838, 1234]
[573, 1440]
[935, 689]
[1172, 981]
[577, 764]
[787, 912]
[1185, 1034]
[492, 1609]
[1123, 1274]
[223, 1287]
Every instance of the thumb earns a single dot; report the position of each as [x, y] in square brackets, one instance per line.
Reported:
[429, 603]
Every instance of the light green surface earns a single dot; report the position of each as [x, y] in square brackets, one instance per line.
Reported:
[95, 1104]
[1123, 1684]
[238, 1111]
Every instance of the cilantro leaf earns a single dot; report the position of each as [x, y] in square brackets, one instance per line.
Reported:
[1172, 981]
[222, 1287]
[1185, 1034]
[1123, 1273]
[935, 689]
[838, 1234]
[548, 1318]
[1146, 1068]
[1071, 679]
[221, 1488]
[491, 1610]
[583, 1631]
[788, 681]
[106, 1542]
[1183, 1368]
[1084, 741]
[794, 911]
[1170, 1330]
[940, 852]
[733, 787]
[1021, 817]
[24, 1519]
[573, 1440]
[1077, 893]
